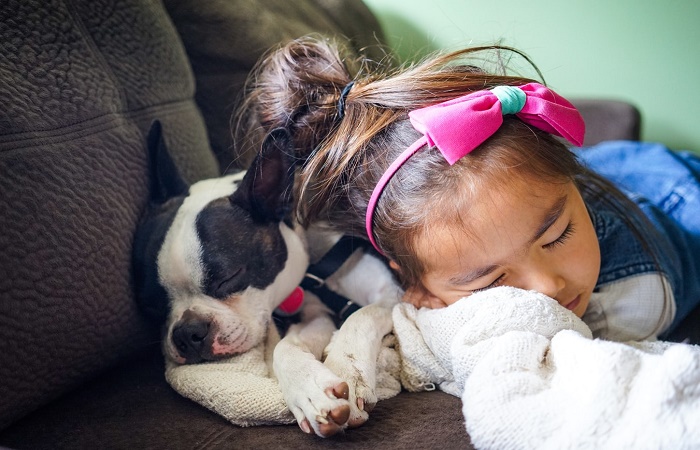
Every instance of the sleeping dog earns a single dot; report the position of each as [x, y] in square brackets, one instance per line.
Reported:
[213, 261]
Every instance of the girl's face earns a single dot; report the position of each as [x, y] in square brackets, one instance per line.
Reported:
[531, 235]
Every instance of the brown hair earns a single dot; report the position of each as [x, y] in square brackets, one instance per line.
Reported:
[298, 87]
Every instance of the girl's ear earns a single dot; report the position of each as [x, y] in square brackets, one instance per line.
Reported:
[395, 267]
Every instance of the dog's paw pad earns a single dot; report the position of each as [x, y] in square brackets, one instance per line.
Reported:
[340, 390]
[341, 414]
[355, 422]
[328, 429]
[361, 413]
[333, 422]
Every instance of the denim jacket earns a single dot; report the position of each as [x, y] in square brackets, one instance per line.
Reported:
[666, 187]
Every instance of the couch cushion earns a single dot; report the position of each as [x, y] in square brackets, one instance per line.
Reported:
[609, 120]
[81, 82]
[225, 38]
[133, 407]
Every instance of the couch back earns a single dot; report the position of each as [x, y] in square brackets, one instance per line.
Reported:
[225, 38]
[80, 83]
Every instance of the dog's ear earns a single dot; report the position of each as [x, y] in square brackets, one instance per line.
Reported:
[151, 297]
[165, 178]
[266, 188]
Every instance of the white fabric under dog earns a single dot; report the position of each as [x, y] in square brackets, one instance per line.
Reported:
[239, 388]
[243, 391]
[531, 377]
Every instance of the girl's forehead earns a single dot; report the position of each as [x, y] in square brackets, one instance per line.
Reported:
[492, 216]
[476, 198]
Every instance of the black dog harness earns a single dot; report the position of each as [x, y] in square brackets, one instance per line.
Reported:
[315, 282]
[315, 279]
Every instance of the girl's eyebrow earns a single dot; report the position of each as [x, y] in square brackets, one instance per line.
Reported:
[475, 274]
[551, 216]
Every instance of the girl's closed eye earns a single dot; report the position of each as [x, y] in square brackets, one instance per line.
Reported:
[560, 240]
[563, 237]
[497, 282]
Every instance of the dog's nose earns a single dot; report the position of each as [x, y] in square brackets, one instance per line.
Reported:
[190, 337]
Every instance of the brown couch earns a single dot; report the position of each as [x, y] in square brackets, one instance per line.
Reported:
[80, 82]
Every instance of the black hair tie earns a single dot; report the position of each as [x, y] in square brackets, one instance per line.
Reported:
[343, 96]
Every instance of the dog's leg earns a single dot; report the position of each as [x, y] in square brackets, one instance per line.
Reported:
[314, 394]
[352, 355]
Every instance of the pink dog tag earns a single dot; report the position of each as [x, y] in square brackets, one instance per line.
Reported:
[292, 304]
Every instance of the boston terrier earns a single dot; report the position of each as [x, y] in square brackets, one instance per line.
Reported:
[213, 262]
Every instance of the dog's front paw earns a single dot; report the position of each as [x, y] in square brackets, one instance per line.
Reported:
[316, 396]
[360, 382]
[327, 422]
[319, 410]
[353, 353]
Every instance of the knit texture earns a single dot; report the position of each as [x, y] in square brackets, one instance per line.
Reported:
[531, 377]
[240, 389]
[244, 391]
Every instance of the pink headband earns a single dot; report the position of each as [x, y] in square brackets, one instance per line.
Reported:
[458, 126]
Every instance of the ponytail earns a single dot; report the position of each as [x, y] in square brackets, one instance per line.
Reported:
[296, 86]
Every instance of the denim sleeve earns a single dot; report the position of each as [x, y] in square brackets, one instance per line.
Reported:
[666, 186]
[669, 180]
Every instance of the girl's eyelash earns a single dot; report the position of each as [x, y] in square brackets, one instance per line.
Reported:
[562, 238]
[495, 283]
[566, 234]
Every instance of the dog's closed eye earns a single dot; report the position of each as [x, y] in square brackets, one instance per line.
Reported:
[228, 284]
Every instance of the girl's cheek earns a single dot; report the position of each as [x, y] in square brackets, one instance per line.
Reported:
[414, 297]
[436, 303]
[420, 298]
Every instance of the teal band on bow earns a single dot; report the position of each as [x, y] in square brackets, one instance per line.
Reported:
[512, 99]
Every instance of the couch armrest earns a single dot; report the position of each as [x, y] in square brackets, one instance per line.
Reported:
[609, 120]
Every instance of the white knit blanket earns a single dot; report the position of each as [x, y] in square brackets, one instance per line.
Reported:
[531, 377]
[240, 388]
[243, 389]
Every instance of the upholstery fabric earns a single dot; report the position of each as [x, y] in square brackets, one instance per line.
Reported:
[81, 82]
[609, 120]
[225, 38]
[133, 407]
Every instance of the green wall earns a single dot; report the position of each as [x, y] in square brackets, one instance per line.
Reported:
[646, 52]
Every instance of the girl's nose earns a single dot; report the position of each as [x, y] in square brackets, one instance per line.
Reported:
[546, 280]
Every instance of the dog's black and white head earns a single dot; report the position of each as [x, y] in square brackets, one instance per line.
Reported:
[213, 260]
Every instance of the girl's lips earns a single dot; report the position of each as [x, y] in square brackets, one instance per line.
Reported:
[573, 304]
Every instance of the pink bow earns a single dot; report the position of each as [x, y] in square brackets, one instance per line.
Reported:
[458, 126]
